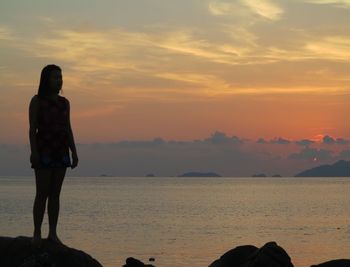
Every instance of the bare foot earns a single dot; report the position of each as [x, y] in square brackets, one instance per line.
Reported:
[55, 239]
[36, 240]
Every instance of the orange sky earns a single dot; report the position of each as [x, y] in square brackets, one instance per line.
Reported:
[181, 70]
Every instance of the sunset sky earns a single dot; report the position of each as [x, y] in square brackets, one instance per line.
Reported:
[183, 70]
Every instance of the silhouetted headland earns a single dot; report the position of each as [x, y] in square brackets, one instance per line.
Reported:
[339, 169]
[20, 252]
[200, 174]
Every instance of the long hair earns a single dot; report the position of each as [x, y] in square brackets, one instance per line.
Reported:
[44, 79]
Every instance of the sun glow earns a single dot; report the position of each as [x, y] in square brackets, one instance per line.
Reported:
[318, 138]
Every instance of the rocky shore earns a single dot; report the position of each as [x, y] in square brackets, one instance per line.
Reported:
[269, 255]
[19, 252]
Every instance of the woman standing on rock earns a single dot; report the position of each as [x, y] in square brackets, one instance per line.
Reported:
[51, 137]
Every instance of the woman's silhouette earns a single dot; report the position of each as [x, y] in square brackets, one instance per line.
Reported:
[51, 137]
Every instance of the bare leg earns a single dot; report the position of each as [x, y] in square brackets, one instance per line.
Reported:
[42, 181]
[54, 202]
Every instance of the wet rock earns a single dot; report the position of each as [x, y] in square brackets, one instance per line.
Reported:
[270, 255]
[235, 257]
[19, 252]
[334, 263]
[132, 262]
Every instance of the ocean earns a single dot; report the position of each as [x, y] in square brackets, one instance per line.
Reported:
[189, 222]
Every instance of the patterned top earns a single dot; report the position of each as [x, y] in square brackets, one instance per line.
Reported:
[52, 134]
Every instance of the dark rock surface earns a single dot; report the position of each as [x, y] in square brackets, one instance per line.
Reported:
[334, 263]
[132, 262]
[269, 255]
[19, 252]
[235, 257]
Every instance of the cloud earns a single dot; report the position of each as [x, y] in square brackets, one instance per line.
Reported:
[342, 141]
[118, 50]
[345, 154]
[338, 3]
[280, 141]
[156, 142]
[217, 153]
[265, 8]
[187, 42]
[331, 48]
[221, 138]
[6, 33]
[330, 140]
[226, 155]
[311, 154]
[172, 61]
[216, 138]
[208, 83]
[219, 8]
[304, 142]
[276, 141]
[261, 141]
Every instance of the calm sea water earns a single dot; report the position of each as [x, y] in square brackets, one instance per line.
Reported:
[189, 222]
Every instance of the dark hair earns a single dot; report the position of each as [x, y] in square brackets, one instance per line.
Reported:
[44, 79]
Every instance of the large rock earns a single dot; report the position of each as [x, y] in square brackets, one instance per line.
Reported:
[235, 257]
[270, 255]
[19, 252]
[132, 262]
[334, 263]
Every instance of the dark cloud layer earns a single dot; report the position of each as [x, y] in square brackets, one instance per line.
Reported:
[304, 142]
[279, 141]
[311, 154]
[345, 154]
[330, 140]
[226, 155]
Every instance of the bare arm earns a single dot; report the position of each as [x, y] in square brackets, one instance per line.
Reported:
[33, 124]
[71, 142]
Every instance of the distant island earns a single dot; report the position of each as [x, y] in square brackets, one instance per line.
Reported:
[264, 175]
[150, 175]
[259, 175]
[200, 174]
[339, 169]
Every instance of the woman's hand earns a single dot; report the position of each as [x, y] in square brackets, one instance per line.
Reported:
[75, 160]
